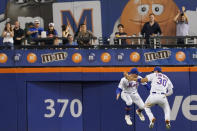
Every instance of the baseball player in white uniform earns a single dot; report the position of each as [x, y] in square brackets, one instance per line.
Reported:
[161, 87]
[128, 91]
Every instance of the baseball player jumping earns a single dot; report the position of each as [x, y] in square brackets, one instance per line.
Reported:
[128, 91]
[161, 87]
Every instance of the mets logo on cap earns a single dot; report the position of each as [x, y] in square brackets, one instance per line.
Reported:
[180, 56]
[76, 58]
[3, 58]
[134, 56]
[105, 57]
[31, 58]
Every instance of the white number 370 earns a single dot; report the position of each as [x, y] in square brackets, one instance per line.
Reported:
[65, 102]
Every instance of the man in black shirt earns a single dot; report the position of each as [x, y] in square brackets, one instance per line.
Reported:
[151, 28]
[121, 33]
[18, 35]
[84, 36]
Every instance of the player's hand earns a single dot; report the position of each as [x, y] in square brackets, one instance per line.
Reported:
[18, 38]
[148, 105]
[183, 9]
[117, 96]
[125, 74]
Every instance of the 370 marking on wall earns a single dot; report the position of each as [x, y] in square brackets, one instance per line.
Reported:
[51, 112]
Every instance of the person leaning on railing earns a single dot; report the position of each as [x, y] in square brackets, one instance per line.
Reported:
[51, 33]
[18, 35]
[84, 37]
[27, 36]
[35, 32]
[182, 26]
[120, 33]
[151, 28]
[71, 41]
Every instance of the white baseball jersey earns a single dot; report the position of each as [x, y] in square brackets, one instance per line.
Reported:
[160, 83]
[159, 86]
[129, 92]
[128, 86]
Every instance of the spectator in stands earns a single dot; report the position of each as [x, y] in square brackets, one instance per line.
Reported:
[151, 28]
[182, 26]
[71, 40]
[35, 32]
[18, 35]
[8, 34]
[121, 33]
[84, 36]
[28, 37]
[65, 32]
[51, 33]
[77, 32]
[56, 41]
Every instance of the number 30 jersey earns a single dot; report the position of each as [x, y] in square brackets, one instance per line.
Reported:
[160, 83]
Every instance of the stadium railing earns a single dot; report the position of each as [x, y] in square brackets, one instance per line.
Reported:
[132, 42]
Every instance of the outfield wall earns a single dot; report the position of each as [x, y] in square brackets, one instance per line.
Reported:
[84, 99]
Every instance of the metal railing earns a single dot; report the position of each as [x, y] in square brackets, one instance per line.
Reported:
[131, 42]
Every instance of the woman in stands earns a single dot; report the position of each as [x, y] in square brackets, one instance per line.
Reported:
[8, 34]
[65, 33]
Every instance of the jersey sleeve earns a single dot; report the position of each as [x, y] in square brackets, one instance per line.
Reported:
[150, 77]
[40, 30]
[122, 83]
[120, 86]
[147, 85]
[139, 77]
[169, 88]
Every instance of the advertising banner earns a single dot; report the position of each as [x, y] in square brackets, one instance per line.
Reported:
[101, 57]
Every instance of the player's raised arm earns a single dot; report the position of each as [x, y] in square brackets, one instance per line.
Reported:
[126, 75]
[130, 78]
[140, 80]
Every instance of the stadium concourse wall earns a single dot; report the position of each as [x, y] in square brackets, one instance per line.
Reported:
[83, 99]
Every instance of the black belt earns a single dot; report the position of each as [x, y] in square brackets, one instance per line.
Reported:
[158, 93]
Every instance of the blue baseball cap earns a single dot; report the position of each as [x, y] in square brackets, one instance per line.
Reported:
[157, 68]
[134, 71]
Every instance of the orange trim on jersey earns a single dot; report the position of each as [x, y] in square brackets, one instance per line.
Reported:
[92, 69]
